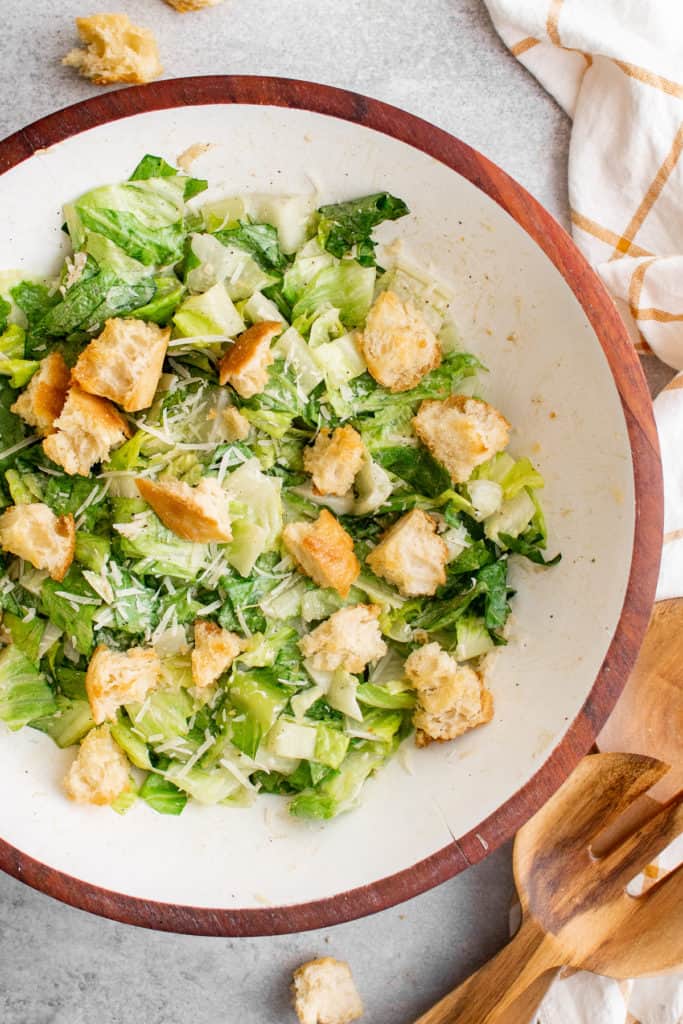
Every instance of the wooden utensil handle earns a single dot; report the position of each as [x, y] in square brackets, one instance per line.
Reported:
[507, 989]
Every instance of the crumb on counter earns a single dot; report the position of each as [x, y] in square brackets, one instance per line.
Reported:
[325, 993]
[185, 6]
[115, 50]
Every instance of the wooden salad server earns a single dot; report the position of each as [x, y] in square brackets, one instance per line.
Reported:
[575, 908]
[648, 718]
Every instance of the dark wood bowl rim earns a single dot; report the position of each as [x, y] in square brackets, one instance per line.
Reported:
[629, 380]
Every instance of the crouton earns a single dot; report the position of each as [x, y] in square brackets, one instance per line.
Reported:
[119, 677]
[236, 425]
[116, 51]
[334, 460]
[214, 651]
[398, 346]
[411, 555]
[349, 639]
[99, 773]
[85, 432]
[41, 402]
[461, 433]
[451, 697]
[33, 532]
[191, 5]
[325, 993]
[245, 364]
[200, 513]
[124, 363]
[324, 551]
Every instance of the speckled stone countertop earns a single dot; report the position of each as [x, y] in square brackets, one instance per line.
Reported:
[439, 59]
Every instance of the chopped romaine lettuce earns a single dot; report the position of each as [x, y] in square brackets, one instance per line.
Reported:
[344, 226]
[346, 286]
[270, 719]
[211, 313]
[24, 691]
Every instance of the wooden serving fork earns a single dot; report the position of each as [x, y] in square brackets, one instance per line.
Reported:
[576, 911]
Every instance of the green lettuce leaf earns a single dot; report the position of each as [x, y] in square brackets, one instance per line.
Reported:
[25, 635]
[339, 791]
[34, 300]
[416, 466]
[162, 305]
[92, 301]
[259, 240]
[74, 618]
[345, 225]
[156, 167]
[346, 286]
[24, 691]
[162, 796]
[5, 310]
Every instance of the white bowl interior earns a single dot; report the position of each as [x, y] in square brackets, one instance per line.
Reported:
[550, 378]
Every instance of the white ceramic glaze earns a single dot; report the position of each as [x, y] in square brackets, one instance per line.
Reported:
[550, 378]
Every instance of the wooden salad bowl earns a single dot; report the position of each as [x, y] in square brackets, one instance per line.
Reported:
[151, 901]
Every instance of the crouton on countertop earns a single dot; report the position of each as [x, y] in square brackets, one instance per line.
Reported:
[99, 773]
[245, 364]
[114, 678]
[461, 433]
[191, 5]
[349, 639]
[451, 698]
[325, 993]
[124, 363]
[115, 50]
[411, 555]
[398, 345]
[334, 460]
[324, 551]
[199, 514]
[85, 432]
[41, 402]
[33, 532]
[214, 651]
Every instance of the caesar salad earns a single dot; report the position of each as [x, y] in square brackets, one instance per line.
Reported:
[256, 518]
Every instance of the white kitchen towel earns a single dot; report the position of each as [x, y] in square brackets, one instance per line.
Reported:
[616, 67]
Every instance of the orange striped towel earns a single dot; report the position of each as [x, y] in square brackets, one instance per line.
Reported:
[616, 67]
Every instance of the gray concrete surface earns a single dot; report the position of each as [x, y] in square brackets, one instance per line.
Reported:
[442, 60]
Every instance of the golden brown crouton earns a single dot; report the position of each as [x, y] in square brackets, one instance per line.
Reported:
[334, 460]
[451, 697]
[41, 402]
[99, 774]
[85, 432]
[115, 678]
[191, 5]
[214, 651]
[411, 555]
[116, 51]
[124, 363]
[324, 551]
[245, 364]
[349, 639]
[325, 993]
[200, 513]
[461, 433]
[33, 532]
[236, 425]
[399, 347]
